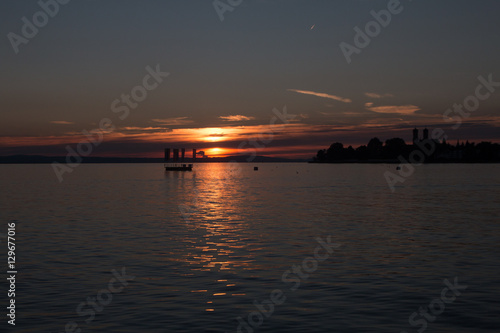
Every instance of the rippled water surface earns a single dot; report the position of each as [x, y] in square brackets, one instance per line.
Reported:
[209, 246]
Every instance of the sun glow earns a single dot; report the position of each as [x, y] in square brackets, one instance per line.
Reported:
[217, 152]
[211, 134]
[215, 138]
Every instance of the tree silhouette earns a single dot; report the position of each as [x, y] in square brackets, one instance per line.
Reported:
[336, 151]
[375, 148]
[396, 148]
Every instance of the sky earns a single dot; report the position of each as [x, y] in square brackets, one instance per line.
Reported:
[260, 75]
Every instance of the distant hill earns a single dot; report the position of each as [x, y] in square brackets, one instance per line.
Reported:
[39, 159]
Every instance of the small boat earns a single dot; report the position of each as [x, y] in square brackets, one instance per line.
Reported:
[178, 167]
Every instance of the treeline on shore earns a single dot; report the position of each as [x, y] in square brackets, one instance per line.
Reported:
[396, 149]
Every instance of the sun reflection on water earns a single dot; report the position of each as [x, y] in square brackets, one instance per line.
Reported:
[216, 238]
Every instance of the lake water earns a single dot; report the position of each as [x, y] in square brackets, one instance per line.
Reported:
[237, 232]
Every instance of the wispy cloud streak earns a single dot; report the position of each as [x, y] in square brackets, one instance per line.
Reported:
[337, 98]
[237, 117]
[173, 121]
[399, 109]
[62, 122]
[374, 95]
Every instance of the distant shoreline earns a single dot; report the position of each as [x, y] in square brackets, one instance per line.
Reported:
[398, 162]
[38, 159]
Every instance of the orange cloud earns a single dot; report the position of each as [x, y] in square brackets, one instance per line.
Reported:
[374, 95]
[237, 117]
[400, 109]
[62, 122]
[337, 98]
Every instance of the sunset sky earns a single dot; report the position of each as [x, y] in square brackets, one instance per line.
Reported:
[226, 77]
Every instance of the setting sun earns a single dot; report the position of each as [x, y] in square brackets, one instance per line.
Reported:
[217, 152]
